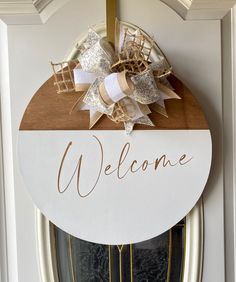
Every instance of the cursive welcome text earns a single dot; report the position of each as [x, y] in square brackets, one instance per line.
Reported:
[120, 170]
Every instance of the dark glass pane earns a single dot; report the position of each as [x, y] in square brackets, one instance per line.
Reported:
[151, 259]
[157, 260]
[90, 261]
[177, 250]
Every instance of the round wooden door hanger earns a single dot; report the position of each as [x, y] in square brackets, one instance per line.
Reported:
[108, 168]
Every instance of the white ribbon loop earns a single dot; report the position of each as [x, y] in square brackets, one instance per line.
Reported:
[83, 79]
[115, 87]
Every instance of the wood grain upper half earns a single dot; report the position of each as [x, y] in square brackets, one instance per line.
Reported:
[48, 110]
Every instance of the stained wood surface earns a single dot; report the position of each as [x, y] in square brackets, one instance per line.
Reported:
[50, 111]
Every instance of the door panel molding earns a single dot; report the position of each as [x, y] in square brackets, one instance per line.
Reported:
[46, 249]
[40, 5]
[3, 231]
[199, 9]
[8, 244]
[229, 119]
[39, 11]
[192, 258]
[29, 12]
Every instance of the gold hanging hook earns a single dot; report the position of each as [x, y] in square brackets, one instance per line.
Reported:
[111, 11]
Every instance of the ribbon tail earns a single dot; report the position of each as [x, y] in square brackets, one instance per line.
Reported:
[129, 125]
[159, 109]
[170, 94]
[166, 93]
[145, 120]
[78, 105]
[94, 118]
[144, 109]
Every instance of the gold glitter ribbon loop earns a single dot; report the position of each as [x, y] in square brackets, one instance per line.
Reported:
[123, 84]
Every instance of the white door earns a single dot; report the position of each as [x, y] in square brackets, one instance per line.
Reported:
[193, 48]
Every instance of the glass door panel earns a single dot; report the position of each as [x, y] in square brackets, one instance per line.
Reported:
[159, 259]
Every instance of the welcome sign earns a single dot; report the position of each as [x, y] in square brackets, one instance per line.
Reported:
[107, 187]
[101, 184]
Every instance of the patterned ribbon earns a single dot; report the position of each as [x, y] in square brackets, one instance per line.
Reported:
[124, 96]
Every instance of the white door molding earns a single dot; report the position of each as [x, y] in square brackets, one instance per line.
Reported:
[193, 250]
[8, 244]
[229, 136]
[3, 232]
[200, 9]
[181, 7]
[29, 12]
[40, 5]
[39, 11]
[19, 12]
[234, 132]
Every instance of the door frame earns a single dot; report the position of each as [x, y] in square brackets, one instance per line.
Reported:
[229, 140]
[8, 253]
[3, 219]
[8, 243]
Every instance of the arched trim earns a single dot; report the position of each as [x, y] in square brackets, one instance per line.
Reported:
[181, 7]
[35, 12]
[39, 11]
[200, 10]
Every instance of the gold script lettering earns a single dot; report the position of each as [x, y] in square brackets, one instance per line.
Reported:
[78, 169]
[132, 168]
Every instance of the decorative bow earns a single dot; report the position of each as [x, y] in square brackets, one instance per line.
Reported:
[123, 83]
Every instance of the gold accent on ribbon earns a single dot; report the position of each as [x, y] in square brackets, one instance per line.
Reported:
[104, 95]
[126, 86]
[125, 83]
[82, 87]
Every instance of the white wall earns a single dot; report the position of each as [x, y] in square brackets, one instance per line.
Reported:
[194, 50]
